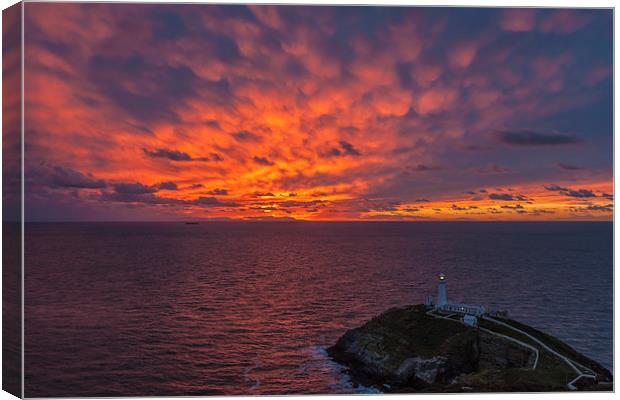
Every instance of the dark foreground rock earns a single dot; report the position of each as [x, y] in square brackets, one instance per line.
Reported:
[405, 350]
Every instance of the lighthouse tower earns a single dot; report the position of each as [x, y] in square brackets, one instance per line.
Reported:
[442, 297]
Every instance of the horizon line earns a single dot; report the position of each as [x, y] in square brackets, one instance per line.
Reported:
[301, 220]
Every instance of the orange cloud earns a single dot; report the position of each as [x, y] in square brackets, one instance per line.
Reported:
[267, 113]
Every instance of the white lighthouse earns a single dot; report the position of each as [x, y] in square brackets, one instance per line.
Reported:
[442, 297]
[461, 308]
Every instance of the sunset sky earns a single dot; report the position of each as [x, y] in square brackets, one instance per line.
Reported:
[171, 112]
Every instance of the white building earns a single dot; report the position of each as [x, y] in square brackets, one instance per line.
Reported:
[442, 297]
[470, 320]
[463, 309]
[444, 305]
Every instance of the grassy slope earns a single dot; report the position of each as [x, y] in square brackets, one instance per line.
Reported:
[550, 374]
[548, 364]
[396, 325]
[557, 345]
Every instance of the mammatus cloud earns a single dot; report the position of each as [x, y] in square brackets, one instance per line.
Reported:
[564, 21]
[384, 114]
[518, 19]
[557, 21]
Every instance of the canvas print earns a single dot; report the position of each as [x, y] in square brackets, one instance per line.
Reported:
[204, 199]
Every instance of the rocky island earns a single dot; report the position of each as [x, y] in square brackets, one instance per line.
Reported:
[441, 348]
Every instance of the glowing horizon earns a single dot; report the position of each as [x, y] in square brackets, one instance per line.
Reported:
[160, 112]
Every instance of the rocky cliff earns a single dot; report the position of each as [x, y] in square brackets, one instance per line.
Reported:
[406, 349]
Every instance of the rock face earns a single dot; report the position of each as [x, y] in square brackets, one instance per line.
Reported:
[404, 349]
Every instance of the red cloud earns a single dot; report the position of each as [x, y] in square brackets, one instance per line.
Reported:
[565, 21]
[435, 100]
[518, 19]
[285, 100]
[463, 54]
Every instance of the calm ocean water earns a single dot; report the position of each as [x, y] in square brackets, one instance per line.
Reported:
[248, 308]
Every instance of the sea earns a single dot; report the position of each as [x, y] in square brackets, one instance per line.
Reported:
[245, 308]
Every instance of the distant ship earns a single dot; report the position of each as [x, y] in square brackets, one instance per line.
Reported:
[191, 223]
